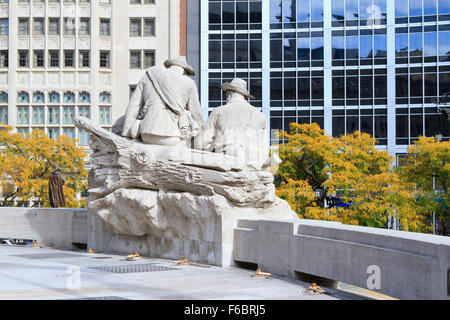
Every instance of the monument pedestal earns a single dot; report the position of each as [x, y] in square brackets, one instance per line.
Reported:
[173, 225]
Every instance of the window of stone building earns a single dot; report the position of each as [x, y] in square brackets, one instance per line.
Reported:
[24, 59]
[69, 60]
[38, 26]
[24, 28]
[105, 58]
[38, 59]
[4, 56]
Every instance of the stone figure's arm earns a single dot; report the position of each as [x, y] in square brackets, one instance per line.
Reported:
[194, 106]
[206, 141]
[136, 101]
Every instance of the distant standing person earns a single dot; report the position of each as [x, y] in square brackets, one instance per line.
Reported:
[55, 189]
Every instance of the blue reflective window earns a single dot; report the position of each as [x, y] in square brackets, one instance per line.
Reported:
[289, 11]
[105, 97]
[401, 8]
[444, 43]
[415, 44]
[338, 48]
[401, 45]
[23, 97]
[444, 6]
[303, 14]
[303, 48]
[351, 9]
[429, 7]
[380, 46]
[290, 46]
[84, 97]
[69, 132]
[3, 98]
[337, 8]
[84, 112]
[275, 11]
[53, 133]
[430, 44]
[53, 97]
[69, 97]
[53, 115]
[4, 115]
[38, 97]
[105, 115]
[83, 137]
[352, 47]
[68, 115]
[366, 47]
[365, 9]
[415, 7]
[317, 10]
[23, 115]
[38, 115]
[316, 48]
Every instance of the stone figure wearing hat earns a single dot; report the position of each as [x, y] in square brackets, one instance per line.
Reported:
[237, 128]
[165, 108]
[55, 189]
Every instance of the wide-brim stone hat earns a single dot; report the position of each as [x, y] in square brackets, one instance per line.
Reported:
[181, 62]
[239, 86]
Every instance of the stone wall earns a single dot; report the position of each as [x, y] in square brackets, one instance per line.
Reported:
[59, 228]
[411, 265]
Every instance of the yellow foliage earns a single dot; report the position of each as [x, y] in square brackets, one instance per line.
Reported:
[27, 161]
[315, 166]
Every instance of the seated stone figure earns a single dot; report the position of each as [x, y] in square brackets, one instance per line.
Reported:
[165, 109]
[237, 128]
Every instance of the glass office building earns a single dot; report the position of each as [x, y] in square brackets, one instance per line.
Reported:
[377, 66]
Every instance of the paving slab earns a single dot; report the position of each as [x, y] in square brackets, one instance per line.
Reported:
[28, 273]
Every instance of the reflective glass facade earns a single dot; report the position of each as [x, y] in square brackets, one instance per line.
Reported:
[371, 65]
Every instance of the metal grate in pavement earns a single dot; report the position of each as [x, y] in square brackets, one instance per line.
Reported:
[48, 256]
[134, 268]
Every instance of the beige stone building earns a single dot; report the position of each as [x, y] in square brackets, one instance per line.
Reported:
[62, 58]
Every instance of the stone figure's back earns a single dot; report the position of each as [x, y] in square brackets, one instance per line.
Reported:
[241, 130]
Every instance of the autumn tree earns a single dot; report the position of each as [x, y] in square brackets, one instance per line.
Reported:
[316, 166]
[427, 166]
[27, 161]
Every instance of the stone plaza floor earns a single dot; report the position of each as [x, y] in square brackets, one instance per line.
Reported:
[28, 273]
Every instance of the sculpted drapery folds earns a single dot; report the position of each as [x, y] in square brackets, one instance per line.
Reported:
[165, 108]
[237, 128]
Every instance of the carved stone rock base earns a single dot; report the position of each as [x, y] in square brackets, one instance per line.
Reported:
[172, 225]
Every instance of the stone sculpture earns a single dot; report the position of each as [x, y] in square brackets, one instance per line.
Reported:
[164, 106]
[165, 199]
[237, 128]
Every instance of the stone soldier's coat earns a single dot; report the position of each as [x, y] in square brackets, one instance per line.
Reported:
[55, 189]
[161, 119]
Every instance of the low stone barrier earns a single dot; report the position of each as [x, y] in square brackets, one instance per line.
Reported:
[403, 265]
[400, 264]
[59, 228]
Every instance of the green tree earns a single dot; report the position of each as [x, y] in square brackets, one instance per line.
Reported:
[26, 163]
